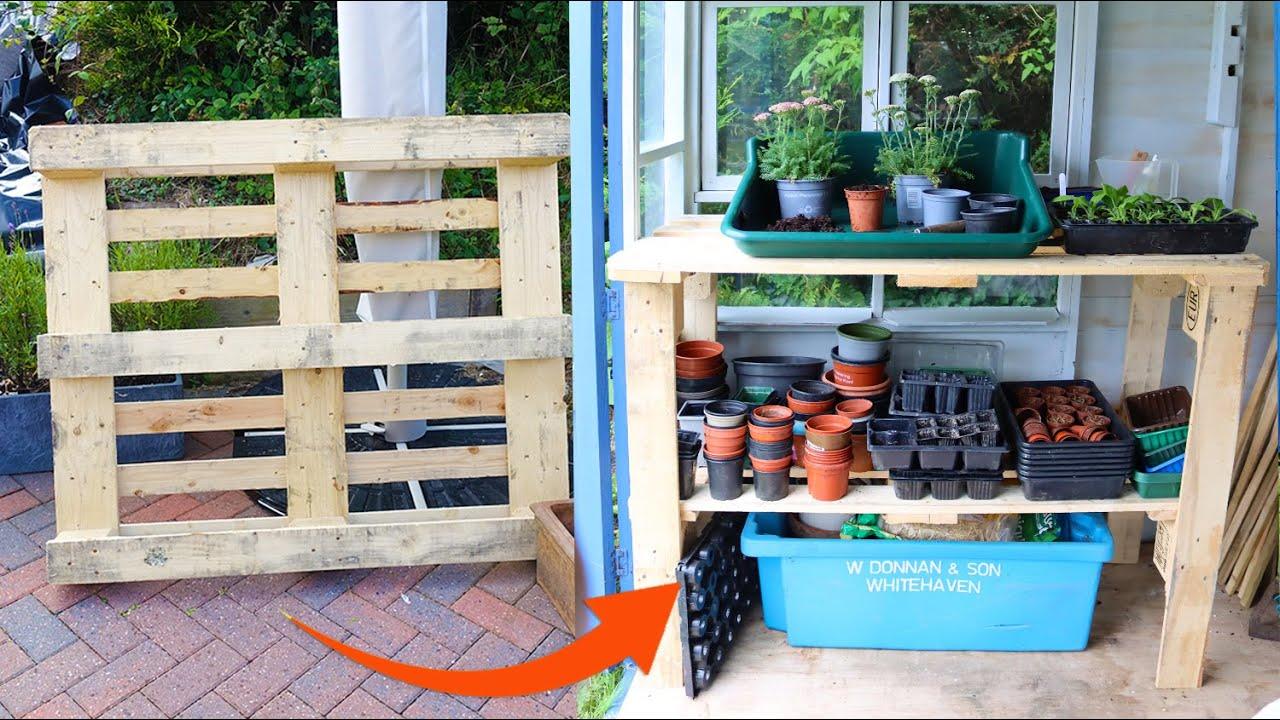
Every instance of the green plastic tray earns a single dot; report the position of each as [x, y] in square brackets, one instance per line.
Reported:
[1151, 458]
[998, 161]
[1157, 485]
[1152, 441]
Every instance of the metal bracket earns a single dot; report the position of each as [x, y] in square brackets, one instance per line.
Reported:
[610, 304]
[621, 562]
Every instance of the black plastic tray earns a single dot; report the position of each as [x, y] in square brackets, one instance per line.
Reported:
[1229, 236]
[961, 394]
[945, 485]
[1123, 444]
[1090, 488]
[718, 585]
[913, 454]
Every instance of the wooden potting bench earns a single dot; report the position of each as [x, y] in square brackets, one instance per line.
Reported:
[310, 345]
[669, 295]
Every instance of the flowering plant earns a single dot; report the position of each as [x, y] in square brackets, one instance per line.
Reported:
[801, 145]
[922, 140]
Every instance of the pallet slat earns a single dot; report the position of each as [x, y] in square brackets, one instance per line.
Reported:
[239, 349]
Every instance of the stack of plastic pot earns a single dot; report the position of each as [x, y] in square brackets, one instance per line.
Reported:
[769, 445]
[688, 445]
[858, 363]
[807, 398]
[724, 437]
[860, 411]
[828, 456]
[1070, 444]
[1159, 421]
[700, 371]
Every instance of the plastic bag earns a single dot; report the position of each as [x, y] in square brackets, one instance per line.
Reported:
[979, 528]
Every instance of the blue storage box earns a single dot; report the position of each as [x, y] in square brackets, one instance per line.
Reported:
[930, 595]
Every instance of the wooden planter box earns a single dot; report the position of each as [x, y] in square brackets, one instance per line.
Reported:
[557, 573]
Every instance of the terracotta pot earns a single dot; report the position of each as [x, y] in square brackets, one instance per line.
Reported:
[797, 454]
[1057, 421]
[698, 356]
[1037, 437]
[1063, 408]
[1101, 436]
[1052, 390]
[1064, 435]
[1079, 390]
[702, 374]
[770, 465]
[1032, 427]
[854, 409]
[861, 455]
[820, 455]
[772, 416]
[809, 408]
[856, 391]
[1091, 410]
[1035, 403]
[1079, 401]
[710, 432]
[866, 207]
[828, 483]
[770, 434]
[710, 455]
[1027, 391]
[829, 432]
[1023, 414]
[858, 375]
[1096, 420]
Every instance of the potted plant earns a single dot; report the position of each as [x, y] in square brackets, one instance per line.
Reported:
[1112, 221]
[922, 135]
[24, 396]
[801, 154]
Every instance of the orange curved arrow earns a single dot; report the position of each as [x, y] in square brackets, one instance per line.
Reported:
[631, 625]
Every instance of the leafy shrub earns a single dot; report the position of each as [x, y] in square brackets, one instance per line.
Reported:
[801, 143]
[22, 318]
[167, 254]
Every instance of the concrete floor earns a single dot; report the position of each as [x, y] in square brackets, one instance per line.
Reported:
[764, 677]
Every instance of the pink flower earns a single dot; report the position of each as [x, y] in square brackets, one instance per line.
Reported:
[826, 107]
[762, 117]
[814, 100]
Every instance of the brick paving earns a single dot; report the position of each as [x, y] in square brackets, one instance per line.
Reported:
[221, 647]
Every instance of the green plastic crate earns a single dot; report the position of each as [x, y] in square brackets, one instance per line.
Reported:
[1157, 485]
[1152, 441]
[998, 161]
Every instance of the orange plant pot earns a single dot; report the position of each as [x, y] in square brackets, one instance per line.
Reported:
[769, 434]
[770, 465]
[804, 407]
[828, 483]
[866, 207]
[861, 455]
[858, 375]
[829, 432]
[854, 409]
[797, 450]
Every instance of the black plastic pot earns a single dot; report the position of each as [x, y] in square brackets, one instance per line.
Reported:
[688, 463]
[990, 220]
[727, 409]
[1229, 236]
[776, 371]
[769, 450]
[772, 486]
[28, 445]
[725, 477]
[701, 385]
[983, 201]
[812, 391]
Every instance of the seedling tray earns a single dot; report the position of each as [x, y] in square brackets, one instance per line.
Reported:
[912, 452]
[1149, 441]
[1121, 447]
[1162, 455]
[934, 390]
[950, 485]
[998, 162]
[1157, 484]
[1220, 238]
[1091, 488]
[1159, 409]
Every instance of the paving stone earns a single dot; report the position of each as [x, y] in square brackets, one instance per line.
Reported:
[421, 651]
[509, 581]
[60, 706]
[266, 676]
[516, 625]
[124, 597]
[16, 549]
[245, 632]
[286, 705]
[40, 516]
[556, 641]
[255, 591]
[194, 677]
[120, 678]
[361, 704]
[134, 706]
[23, 582]
[432, 704]
[329, 682]
[384, 586]
[516, 707]
[447, 583]
[211, 706]
[163, 510]
[194, 592]
[38, 484]
[488, 652]
[42, 536]
[382, 632]
[538, 604]
[321, 588]
[444, 625]
[34, 628]
[274, 615]
[15, 503]
[47, 679]
[568, 705]
[225, 505]
[8, 485]
[176, 632]
[102, 628]
[60, 597]
[12, 660]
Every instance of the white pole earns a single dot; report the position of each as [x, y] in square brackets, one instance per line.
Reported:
[391, 63]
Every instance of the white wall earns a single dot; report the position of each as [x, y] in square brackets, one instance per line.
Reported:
[1150, 94]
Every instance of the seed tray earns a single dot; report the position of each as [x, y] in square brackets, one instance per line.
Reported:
[1159, 409]
[1073, 488]
[1161, 455]
[718, 586]
[1156, 439]
[948, 485]
[1157, 484]
[1122, 446]
[947, 392]
[896, 445]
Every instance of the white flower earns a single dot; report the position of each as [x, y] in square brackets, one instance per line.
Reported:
[969, 94]
[952, 99]
[901, 77]
[813, 100]
[762, 117]
[891, 107]
[826, 107]
[928, 80]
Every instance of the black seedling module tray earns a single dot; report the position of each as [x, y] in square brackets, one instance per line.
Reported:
[929, 390]
[945, 485]
[897, 444]
[1229, 236]
[718, 585]
[1075, 488]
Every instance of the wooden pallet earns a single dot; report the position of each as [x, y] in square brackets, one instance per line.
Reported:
[310, 345]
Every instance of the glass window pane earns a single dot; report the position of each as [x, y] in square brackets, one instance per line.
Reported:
[794, 291]
[661, 192]
[1005, 51]
[651, 80]
[992, 291]
[768, 54]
